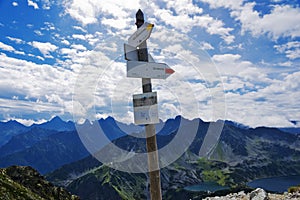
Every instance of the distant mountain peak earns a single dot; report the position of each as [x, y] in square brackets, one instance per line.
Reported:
[236, 124]
[56, 119]
[12, 122]
[56, 123]
[110, 119]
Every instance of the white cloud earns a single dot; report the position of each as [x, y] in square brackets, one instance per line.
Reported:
[117, 23]
[87, 12]
[291, 49]
[183, 7]
[38, 32]
[46, 4]
[286, 64]
[101, 70]
[6, 47]
[46, 88]
[255, 99]
[67, 52]
[232, 4]
[37, 80]
[119, 15]
[78, 47]
[33, 4]
[14, 107]
[91, 39]
[66, 42]
[9, 48]
[212, 25]
[45, 47]
[206, 46]
[78, 36]
[283, 21]
[231, 65]
[49, 26]
[181, 22]
[290, 83]
[185, 23]
[16, 40]
[226, 58]
[15, 3]
[40, 57]
[79, 28]
[54, 98]
[293, 54]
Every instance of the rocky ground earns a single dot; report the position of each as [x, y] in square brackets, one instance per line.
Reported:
[25, 183]
[258, 194]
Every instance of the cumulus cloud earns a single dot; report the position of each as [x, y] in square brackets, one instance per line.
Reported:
[282, 21]
[206, 46]
[274, 24]
[89, 66]
[44, 47]
[78, 47]
[16, 40]
[253, 97]
[185, 23]
[183, 7]
[9, 48]
[6, 47]
[15, 3]
[37, 80]
[87, 12]
[66, 42]
[33, 4]
[46, 4]
[291, 49]
[181, 15]
[232, 4]
[78, 36]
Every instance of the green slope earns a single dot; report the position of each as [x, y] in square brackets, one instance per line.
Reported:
[25, 183]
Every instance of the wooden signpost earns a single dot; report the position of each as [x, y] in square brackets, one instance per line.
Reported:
[145, 105]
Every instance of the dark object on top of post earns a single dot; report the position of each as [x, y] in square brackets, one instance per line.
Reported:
[139, 18]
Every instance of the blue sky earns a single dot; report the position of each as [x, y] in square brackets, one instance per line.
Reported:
[235, 59]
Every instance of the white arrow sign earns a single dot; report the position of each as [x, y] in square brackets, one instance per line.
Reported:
[142, 34]
[139, 69]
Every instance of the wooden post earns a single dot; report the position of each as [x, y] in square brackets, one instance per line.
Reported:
[153, 161]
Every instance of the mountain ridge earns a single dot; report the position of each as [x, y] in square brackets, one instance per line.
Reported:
[241, 154]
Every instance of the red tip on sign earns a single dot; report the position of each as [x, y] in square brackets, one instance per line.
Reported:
[169, 71]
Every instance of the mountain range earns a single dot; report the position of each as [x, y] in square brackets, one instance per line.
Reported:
[12, 128]
[241, 154]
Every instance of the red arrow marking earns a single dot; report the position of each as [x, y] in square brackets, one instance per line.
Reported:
[169, 71]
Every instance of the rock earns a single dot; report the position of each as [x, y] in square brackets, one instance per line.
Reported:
[259, 194]
[294, 196]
